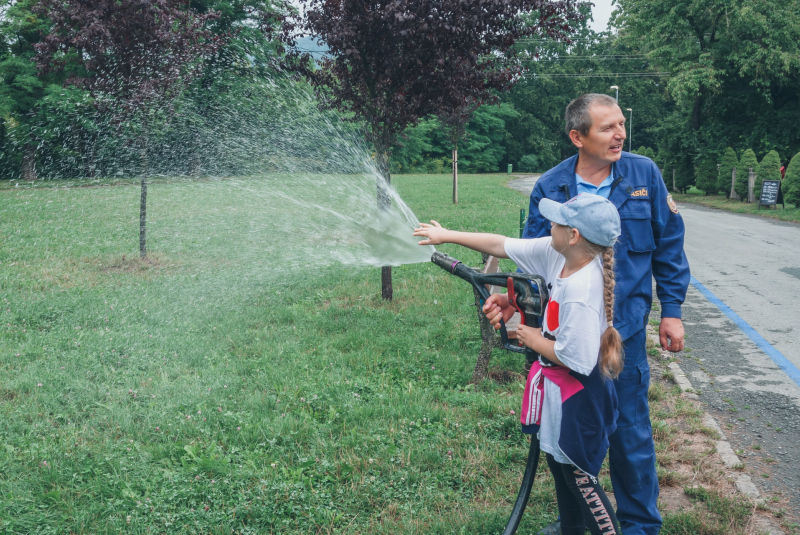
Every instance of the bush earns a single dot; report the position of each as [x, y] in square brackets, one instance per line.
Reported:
[768, 169]
[437, 167]
[729, 162]
[684, 174]
[748, 161]
[650, 153]
[706, 176]
[530, 163]
[791, 182]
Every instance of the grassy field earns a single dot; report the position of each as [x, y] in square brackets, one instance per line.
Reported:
[786, 212]
[220, 387]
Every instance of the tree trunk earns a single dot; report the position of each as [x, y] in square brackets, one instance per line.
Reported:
[143, 206]
[194, 159]
[89, 146]
[455, 174]
[384, 203]
[697, 109]
[734, 195]
[28, 162]
[489, 341]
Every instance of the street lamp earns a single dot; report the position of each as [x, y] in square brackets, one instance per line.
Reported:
[617, 88]
[630, 142]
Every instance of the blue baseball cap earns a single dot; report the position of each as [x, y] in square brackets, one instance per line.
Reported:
[595, 217]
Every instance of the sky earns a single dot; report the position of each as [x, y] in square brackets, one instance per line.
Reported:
[600, 13]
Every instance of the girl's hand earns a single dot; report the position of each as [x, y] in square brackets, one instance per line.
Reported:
[497, 308]
[434, 233]
[529, 336]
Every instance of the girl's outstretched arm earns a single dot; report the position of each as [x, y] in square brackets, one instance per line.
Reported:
[493, 244]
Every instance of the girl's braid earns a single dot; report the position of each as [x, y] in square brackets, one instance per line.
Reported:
[611, 359]
[609, 283]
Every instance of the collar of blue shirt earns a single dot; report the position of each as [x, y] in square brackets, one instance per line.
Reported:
[604, 189]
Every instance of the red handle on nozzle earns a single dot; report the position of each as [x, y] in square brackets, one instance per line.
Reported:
[512, 300]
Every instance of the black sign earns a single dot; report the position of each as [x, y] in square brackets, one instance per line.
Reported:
[771, 193]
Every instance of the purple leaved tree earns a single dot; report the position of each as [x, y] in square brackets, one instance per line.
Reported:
[391, 63]
[133, 56]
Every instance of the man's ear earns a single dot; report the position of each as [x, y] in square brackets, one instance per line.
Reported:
[575, 137]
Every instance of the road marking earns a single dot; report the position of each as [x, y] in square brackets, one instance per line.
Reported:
[776, 356]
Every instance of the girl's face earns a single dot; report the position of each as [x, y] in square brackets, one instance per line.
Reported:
[561, 235]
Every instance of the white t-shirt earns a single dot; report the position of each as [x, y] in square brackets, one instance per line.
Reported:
[575, 316]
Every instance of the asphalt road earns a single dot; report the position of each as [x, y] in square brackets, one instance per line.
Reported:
[752, 265]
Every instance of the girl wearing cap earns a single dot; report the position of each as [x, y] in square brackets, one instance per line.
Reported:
[569, 401]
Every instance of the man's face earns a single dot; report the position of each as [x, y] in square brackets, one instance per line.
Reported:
[604, 141]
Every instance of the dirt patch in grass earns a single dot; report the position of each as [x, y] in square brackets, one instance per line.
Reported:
[505, 377]
[91, 271]
[132, 264]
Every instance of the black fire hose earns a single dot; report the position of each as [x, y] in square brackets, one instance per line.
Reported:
[528, 294]
[525, 488]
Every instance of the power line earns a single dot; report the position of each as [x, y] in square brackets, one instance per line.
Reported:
[600, 75]
[619, 57]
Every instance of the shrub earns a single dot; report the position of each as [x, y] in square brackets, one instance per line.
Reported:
[437, 167]
[729, 161]
[530, 163]
[791, 182]
[706, 176]
[748, 161]
[768, 169]
[684, 174]
[650, 153]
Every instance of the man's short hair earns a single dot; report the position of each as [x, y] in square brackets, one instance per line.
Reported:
[577, 115]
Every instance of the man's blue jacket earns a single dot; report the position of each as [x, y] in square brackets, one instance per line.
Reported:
[651, 244]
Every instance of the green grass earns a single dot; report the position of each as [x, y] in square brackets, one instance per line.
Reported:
[226, 386]
[786, 212]
[192, 394]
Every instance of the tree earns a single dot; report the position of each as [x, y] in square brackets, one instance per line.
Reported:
[454, 121]
[791, 182]
[392, 63]
[134, 57]
[734, 70]
[747, 162]
[684, 174]
[768, 169]
[706, 176]
[729, 163]
[21, 87]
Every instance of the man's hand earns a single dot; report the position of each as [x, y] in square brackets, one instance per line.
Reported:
[434, 233]
[497, 308]
[671, 334]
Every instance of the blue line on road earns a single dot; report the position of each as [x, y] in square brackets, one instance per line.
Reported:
[776, 356]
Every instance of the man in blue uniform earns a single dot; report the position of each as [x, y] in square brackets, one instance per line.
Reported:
[651, 245]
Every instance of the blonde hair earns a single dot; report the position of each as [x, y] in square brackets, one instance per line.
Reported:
[611, 356]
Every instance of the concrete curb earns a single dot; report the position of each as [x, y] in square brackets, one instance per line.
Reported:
[729, 458]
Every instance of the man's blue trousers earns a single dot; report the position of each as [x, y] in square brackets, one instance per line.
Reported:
[631, 454]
